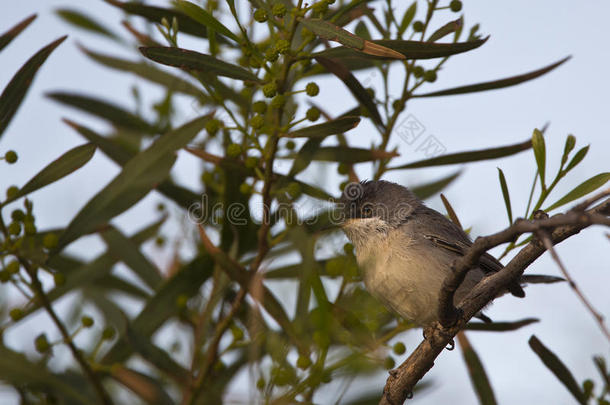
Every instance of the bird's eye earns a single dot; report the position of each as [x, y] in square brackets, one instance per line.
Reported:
[367, 211]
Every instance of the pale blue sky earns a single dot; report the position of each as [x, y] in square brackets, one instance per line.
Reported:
[524, 36]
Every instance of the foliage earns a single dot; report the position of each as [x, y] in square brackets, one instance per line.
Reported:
[254, 91]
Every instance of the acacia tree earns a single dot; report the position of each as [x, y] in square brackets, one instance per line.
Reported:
[254, 90]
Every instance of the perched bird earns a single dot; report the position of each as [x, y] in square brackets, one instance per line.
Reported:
[405, 250]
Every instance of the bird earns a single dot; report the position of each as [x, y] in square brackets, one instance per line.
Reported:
[405, 250]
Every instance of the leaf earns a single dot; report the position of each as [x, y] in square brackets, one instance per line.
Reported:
[353, 85]
[156, 14]
[147, 388]
[465, 157]
[581, 190]
[450, 27]
[67, 163]
[540, 154]
[410, 49]
[11, 34]
[568, 147]
[478, 376]
[85, 22]
[14, 93]
[495, 84]
[506, 195]
[203, 17]
[160, 307]
[191, 60]
[116, 115]
[578, 157]
[500, 326]
[138, 177]
[18, 371]
[333, 127]
[331, 32]
[429, 189]
[451, 212]
[304, 156]
[147, 72]
[362, 31]
[407, 18]
[123, 249]
[557, 367]
[343, 154]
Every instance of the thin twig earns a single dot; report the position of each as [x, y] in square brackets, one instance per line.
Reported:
[598, 316]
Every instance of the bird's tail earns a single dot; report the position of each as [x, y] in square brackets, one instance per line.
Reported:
[539, 279]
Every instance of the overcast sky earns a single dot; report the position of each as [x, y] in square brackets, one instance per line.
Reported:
[524, 36]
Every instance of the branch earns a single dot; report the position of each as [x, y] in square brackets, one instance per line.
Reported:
[402, 380]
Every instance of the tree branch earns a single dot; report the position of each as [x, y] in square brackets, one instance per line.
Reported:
[402, 380]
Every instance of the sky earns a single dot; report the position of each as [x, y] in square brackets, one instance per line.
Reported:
[524, 36]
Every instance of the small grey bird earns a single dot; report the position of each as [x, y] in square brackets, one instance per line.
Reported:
[405, 250]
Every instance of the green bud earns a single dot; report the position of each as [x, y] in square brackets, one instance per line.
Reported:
[313, 114]
[290, 145]
[14, 228]
[334, 266]
[260, 15]
[418, 71]
[159, 241]
[13, 267]
[245, 188]
[233, 150]
[12, 192]
[260, 383]
[5, 276]
[257, 121]
[348, 248]
[251, 162]
[303, 362]
[279, 10]
[87, 321]
[343, 168]
[50, 241]
[11, 156]
[108, 333]
[270, 89]
[430, 76]
[17, 215]
[389, 363]
[278, 101]
[418, 26]
[271, 55]
[320, 7]
[212, 126]
[29, 228]
[16, 314]
[259, 107]
[455, 6]
[282, 46]
[399, 348]
[312, 89]
[41, 343]
[398, 105]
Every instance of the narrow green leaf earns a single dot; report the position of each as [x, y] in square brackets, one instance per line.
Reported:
[160, 307]
[18, 371]
[568, 147]
[155, 14]
[539, 148]
[13, 94]
[332, 32]
[116, 115]
[304, 156]
[67, 163]
[449, 28]
[557, 367]
[203, 17]
[345, 154]
[500, 326]
[353, 85]
[362, 31]
[578, 157]
[323, 130]
[147, 72]
[581, 190]
[506, 195]
[191, 60]
[112, 283]
[407, 18]
[11, 34]
[78, 19]
[478, 376]
[128, 252]
[429, 189]
[146, 387]
[138, 177]
[465, 157]
[451, 212]
[495, 84]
